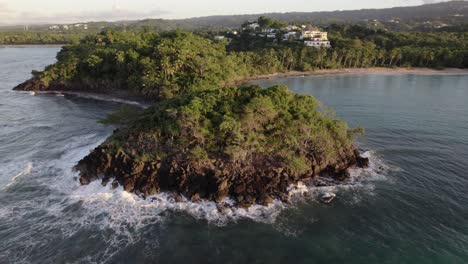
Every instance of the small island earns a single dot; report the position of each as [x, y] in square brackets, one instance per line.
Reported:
[244, 142]
[207, 136]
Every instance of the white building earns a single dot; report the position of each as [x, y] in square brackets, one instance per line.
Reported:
[314, 34]
[291, 27]
[253, 26]
[290, 35]
[313, 37]
[268, 30]
[218, 38]
[318, 43]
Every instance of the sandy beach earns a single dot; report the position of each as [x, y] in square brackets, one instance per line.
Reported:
[380, 71]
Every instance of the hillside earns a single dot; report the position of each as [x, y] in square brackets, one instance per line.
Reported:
[424, 17]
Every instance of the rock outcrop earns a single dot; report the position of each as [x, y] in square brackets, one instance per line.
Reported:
[246, 142]
[258, 182]
[33, 85]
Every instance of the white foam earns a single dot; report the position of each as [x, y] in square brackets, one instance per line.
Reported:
[360, 179]
[106, 98]
[92, 96]
[125, 208]
[127, 215]
[26, 171]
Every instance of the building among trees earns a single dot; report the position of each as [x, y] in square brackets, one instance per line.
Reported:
[313, 37]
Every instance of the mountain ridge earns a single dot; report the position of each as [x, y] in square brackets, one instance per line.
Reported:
[450, 13]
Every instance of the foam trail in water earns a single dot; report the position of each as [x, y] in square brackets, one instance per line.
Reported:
[75, 208]
[92, 96]
[360, 178]
[26, 171]
[128, 208]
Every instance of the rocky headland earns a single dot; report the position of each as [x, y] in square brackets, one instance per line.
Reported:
[246, 143]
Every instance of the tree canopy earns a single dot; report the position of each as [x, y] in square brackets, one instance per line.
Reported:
[159, 66]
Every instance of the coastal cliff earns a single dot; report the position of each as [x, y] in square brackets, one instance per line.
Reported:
[244, 142]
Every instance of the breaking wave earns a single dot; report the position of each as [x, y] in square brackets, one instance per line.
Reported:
[127, 208]
[26, 171]
[69, 208]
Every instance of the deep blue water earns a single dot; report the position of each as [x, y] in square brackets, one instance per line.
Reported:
[410, 207]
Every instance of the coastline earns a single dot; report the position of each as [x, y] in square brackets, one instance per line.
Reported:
[31, 45]
[96, 96]
[123, 97]
[374, 70]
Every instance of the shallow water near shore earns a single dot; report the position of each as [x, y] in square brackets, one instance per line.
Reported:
[409, 207]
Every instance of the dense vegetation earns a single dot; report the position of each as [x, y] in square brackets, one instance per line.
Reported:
[145, 63]
[357, 46]
[419, 18]
[245, 142]
[237, 124]
[161, 66]
[38, 38]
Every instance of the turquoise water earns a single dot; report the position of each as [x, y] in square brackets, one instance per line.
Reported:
[410, 207]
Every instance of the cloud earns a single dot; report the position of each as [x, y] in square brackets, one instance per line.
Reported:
[5, 11]
[9, 16]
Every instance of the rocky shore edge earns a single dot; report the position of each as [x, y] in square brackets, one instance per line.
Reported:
[105, 89]
[259, 182]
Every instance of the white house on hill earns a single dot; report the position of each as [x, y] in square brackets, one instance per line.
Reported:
[318, 44]
[313, 37]
[253, 26]
[290, 35]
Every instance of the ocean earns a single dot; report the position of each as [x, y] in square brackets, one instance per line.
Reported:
[410, 206]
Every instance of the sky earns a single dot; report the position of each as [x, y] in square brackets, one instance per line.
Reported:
[13, 12]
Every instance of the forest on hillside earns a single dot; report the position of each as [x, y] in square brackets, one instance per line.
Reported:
[164, 65]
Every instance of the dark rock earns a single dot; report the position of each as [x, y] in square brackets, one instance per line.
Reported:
[114, 185]
[265, 200]
[195, 197]
[31, 85]
[179, 199]
[342, 175]
[259, 182]
[361, 162]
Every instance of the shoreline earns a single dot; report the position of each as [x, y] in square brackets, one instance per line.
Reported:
[94, 96]
[374, 70]
[135, 100]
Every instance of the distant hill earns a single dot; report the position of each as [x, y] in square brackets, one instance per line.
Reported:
[453, 13]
